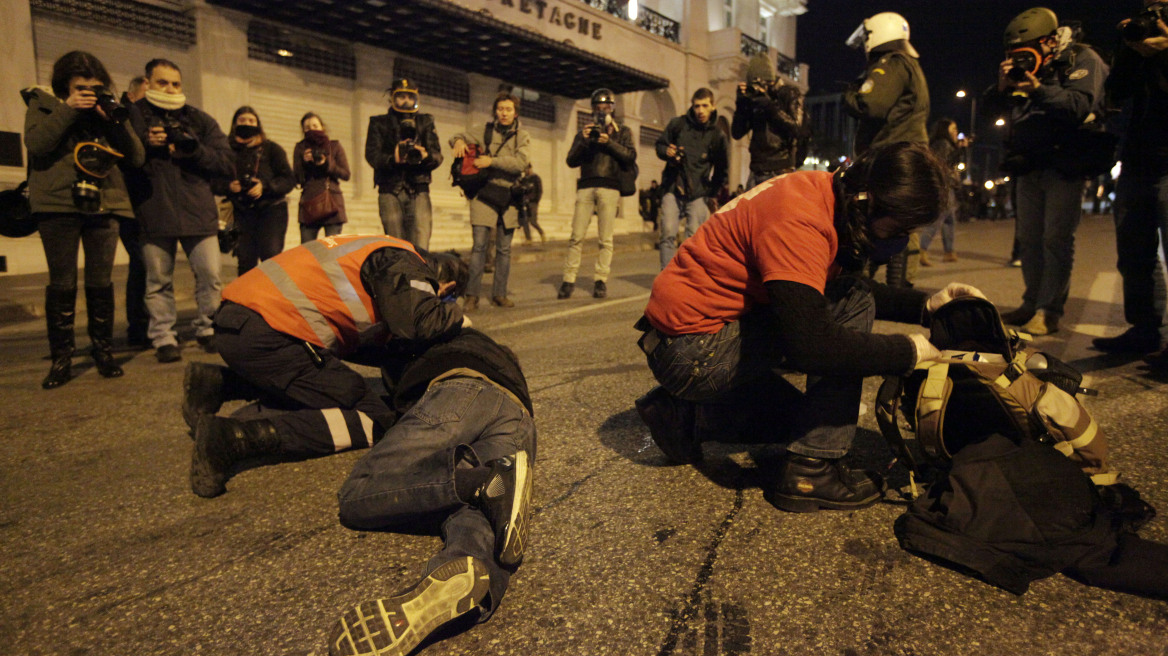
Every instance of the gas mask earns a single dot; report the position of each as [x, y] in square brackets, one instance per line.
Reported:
[93, 163]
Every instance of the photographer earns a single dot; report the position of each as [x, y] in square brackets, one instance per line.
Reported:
[772, 113]
[262, 179]
[1140, 75]
[319, 164]
[694, 152]
[601, 150]
[75, 194]
[1052, 91]
[185, 150]
[402, 147]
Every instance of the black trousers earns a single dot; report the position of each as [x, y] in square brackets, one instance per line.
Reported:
[261, 233]
[137, 318]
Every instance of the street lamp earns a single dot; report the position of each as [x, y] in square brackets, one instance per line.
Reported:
[1000, 122]
[972, 127]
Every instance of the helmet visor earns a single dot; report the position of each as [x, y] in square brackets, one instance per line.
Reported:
[859, 38]
[405, 101]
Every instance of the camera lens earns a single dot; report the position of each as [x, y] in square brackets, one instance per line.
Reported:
[87, 196]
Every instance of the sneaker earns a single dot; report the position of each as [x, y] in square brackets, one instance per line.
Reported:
[1018, 317]
[506, 500]
[202, 392]
[671, 425]
[168, 353]
[952, 257]
[1137, 339]
[1043, 323]
[925, 261]
[599, 289]
[809, 484]
[470, 303]
[207, 342]
[502, 301]
[566, 289]
[397, 625]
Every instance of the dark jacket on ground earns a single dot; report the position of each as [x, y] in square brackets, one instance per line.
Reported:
[267, 163]
[404, 289]
[599, 163]
[706, 159]
[381, 142]
[313, 177]
[51, 131]
[1143, 81]
[778, 140]
[891, 99]
[172, 194]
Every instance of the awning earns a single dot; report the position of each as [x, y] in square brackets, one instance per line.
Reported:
[445, 33]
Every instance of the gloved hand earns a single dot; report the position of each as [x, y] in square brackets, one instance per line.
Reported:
[924, 348]
[952, 290]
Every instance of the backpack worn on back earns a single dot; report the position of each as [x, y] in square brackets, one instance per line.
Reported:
[986, 383]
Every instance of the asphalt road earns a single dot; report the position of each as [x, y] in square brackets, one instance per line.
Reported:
[105, 551]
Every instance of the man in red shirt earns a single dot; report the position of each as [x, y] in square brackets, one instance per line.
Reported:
[766, 284]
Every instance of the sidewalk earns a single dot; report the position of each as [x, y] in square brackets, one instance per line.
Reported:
[22, 297]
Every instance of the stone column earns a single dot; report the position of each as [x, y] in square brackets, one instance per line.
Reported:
[374, 75]
[222, 70]
[19, 57]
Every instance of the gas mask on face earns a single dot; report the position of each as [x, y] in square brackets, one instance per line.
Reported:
[93, 163]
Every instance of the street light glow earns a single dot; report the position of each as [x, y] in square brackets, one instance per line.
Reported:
[1000, 122]
[989, 185]
[961, 93]
[632, 9]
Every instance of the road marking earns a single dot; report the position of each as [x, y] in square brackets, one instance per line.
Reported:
[1100, 314]
[572, 312]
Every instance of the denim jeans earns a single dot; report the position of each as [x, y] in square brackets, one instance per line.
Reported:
[731, 376]
[947, 224]
[603, 203]
[62, 235]
[673, 208]
[1141, 221]
[408, 476]
[1049, 210]
[203, 255]
[478, 258]
[309, 232]
[406, 216]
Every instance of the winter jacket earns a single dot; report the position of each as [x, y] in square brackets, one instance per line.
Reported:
[1143, 81]
[509, 151]
[778, 140]
[172, 193]
[891, 100]
[51, 131]
[381, 142]
[706, 159]
[266, 162]
[313, 177]
[600, 164]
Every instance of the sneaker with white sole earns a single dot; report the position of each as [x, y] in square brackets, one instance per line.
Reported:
[397, 625]
[506, 500]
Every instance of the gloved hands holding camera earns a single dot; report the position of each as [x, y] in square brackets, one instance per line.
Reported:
[1152, 45]
[952, 290]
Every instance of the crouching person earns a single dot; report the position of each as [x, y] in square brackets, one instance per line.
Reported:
[461, 453]
[762, 286]
[285, 329]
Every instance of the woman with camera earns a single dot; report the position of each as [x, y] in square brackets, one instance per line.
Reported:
[319, 164]
[262, 179]
[76, 136]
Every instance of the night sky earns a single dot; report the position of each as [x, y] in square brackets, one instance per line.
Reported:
[960, 41]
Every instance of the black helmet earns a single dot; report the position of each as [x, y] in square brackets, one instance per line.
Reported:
[603, 96]
[406, 86]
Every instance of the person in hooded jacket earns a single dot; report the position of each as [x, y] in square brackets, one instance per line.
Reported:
[69, 213]
[319, 164]
[771, 112]
[262, 179]
[694, 152]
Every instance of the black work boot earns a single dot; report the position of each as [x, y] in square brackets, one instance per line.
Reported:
[671, 425]
[206, 387]
[808, 484]
[220, 442]
[566, 289]
[60, 310]
[1137, 339]
[99, 302]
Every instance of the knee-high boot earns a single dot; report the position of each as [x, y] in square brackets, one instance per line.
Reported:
[99, 302]
[60, 310]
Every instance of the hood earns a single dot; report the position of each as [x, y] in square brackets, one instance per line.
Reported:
[38, 96]
[693, 121]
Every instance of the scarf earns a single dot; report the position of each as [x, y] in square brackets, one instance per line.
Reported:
[318, 138]
[166, 101]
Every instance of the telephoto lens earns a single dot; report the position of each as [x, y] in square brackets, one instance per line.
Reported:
[109, 104]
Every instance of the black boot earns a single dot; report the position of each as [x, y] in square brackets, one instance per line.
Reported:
[808, 484]
[99, 302]
[206, 387]
[220, 442]
[896, 270]
[60, 310]
[671, 425]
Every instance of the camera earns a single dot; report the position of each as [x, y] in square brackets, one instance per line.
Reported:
[599, 122]
[177, 134]
[246, 182]
[1025, 60]
[87, 194]
[407, 133]
[108, 102]
[1143, 25]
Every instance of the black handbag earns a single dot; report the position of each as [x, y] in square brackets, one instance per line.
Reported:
[15, 213]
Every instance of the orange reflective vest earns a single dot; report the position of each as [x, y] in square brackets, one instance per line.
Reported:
[313, 292]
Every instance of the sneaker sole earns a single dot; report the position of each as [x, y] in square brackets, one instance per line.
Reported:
[395, 626]
[808, 505]
[515, 535]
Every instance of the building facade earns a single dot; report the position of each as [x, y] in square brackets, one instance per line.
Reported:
[338, 58]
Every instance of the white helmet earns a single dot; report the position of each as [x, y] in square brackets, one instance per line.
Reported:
[880, 29]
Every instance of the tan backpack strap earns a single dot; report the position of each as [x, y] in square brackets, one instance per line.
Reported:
[931, 402]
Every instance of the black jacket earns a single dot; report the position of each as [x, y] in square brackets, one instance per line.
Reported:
[599, 163]
[778, 140]
[172, 195]
[890, 100]
[381, 141]
[267, 163]
[1144, 82]
[706, 160]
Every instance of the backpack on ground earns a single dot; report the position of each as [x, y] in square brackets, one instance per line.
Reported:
[986, 382]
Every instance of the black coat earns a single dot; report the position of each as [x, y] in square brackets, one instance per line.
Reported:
[600, 164]
[706, 159]
[381, 141]
[267, 163]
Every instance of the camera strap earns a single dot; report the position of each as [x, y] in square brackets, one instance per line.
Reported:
[94, 159]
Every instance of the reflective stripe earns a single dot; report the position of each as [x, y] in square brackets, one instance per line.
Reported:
[338, 428]
[422, 286]
[1064, 448]
[1105, 479]
[367, 426]
[287, 286]
[1087, 436]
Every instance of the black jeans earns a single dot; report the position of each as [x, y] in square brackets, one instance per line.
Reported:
[62, 234]
[261, 233]
[137, 317]
[1141, 223]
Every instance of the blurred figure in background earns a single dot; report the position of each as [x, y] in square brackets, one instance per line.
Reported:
[948, 147]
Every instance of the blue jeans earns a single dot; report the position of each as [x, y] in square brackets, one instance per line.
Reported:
[1049, 210]
[731, 376]
[947, 224]
[1141, 221]
[408, 476]
[478, 258]
[695, 211]
[406, 216]
[203, 255]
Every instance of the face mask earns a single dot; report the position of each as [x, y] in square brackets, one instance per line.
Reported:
[883, 250]
[167, 101]
[247, 131]
[316, 137]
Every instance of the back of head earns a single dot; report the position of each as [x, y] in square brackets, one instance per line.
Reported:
[448, 266]
[906, 183]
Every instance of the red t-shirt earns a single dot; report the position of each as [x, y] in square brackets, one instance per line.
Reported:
[780, 230]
